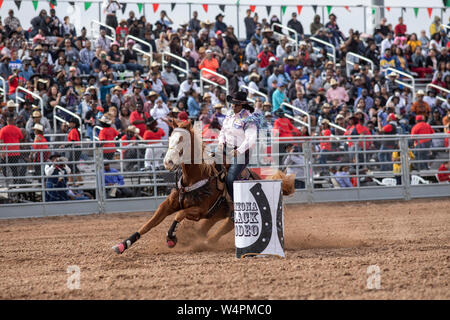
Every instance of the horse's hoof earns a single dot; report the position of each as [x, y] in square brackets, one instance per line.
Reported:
[171, 242]
[119, 249]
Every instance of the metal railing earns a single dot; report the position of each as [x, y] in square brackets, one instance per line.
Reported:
[439, 88]
[113, 32]
[204, 79]
[3, 88]
[332, 55]
[56, 118]
[138, 41]
[411, 86]
[34, 95]
[24, 183]
[96, 133]
[176, 67]
[349, 62]
[253, 91]
[293, 41]
[307, 124]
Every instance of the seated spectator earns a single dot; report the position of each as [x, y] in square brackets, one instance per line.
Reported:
[56, 173]
[342, 177]
[295, 164]
[172, 85]
[420, 107]
[114, 182]
[107, 134]
[444, 172]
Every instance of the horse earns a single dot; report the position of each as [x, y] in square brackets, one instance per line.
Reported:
[200, 192]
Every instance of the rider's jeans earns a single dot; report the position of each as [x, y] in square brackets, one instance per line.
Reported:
[233, 174]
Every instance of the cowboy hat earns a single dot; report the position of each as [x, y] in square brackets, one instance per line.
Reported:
[267, 30]
[39, 127]
[218, 106]
[420, 93]
[254, 75]
[133, 129]
[36, 114]
[105, 119]
[290, 58]
[117, 88]
[11, 104]
[206, 23]
[175, 110]
[333, 82]
[155, 64]
[219, 15]
[240, 97]
[152, 93]
[206, 95]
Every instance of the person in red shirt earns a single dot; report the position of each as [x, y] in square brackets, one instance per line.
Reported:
[74, 139]
[15, 81]
[40, 144]
[283, 128]
[325, 146]
[422, 128]
[152, 154]
[109, 134]
[122, 29]
[400, 28]
[444, 176]
[264, 56]
[389, 129]
[355, 128]
[11, 135]
[138, 118]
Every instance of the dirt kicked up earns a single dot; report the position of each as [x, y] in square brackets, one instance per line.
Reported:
[334, 251]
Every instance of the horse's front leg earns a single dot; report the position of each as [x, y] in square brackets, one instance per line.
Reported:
[191, 213]
[168, 207]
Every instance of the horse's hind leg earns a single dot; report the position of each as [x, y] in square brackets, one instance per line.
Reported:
[160, 214]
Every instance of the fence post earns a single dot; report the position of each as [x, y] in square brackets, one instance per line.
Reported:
[309, 172]
[405, 167]
[100, 177]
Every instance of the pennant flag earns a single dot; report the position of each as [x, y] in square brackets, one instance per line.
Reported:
[252, 8]
[416, 11]
[222, 7]
[172, 6]
[124, 7]
[53, 4]
[1, 3]
[140, 7]
[72, 3]
[446, 3]
[299, 9]
[18, 3]
[315, 9]
[268, 9]
[35, 4]
[403, 9]
[388, 9]
[283, 9]
[205, 7]
[87, 5]
[347, 8]
[155, 7]
[373, 11]
[430, 10]
[329, 9]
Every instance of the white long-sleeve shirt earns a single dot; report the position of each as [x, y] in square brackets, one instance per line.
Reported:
[235, 132]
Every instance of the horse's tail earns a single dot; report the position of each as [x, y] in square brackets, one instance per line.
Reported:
[287, 182]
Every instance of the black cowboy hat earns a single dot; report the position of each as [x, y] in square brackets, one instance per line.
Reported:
[240, 97]
[150, 121]
[219, 15]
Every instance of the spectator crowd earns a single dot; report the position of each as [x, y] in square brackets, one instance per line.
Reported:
[122, 98]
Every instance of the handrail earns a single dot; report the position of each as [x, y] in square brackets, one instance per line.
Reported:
[308, 125]
[34, 95]
[432, 85]
[164, 62]
[348, 62]
[337, 126]
[294, 41]
[446, 27]
[57, 118]
[412, 86]
[141, 42]
[113, 32]
[333, 49]
[256, 92]
[3, 89]
[203, 79]
[93, 133]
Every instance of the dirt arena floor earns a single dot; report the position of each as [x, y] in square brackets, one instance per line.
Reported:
[329, 248]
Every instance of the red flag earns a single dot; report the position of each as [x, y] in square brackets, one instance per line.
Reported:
[388, 9]
[430, 10]
[299, 9]
[252, 8]
[347, 8]
[155, 7]
[205, 7]
[52, 6]
[1, 3]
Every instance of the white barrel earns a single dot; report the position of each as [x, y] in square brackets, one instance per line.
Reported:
[258, 218]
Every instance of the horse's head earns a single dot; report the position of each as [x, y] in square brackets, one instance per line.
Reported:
[179, 150]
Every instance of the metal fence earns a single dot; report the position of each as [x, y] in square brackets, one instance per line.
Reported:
[353, 168]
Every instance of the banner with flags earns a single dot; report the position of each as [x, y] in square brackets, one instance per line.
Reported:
[222, 7]
[416, 11]
[314, 8]
[140, 5]
[268, 9]
[124, 7]
[18, 3]
[299, 9]
[205, 7]
[155, 7]
[430, 11]
[172, 6]
[87, 5]
[283, 9]
[35, 4]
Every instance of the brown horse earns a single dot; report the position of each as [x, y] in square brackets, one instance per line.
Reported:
[199, 193]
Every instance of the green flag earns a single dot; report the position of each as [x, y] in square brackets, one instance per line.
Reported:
[35, 5]
[140, 7]
[53, 2]
[416, 11]
[87, 5]
[283, 9]
[373, 11]
[329, 9]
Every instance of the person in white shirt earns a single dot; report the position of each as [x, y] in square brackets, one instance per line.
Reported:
[237, 137]
[172, 83]
[386, 43]
[186, 86]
